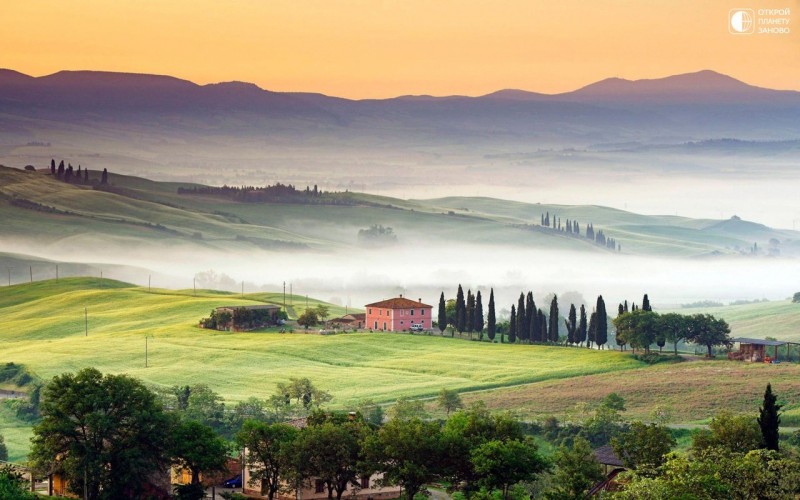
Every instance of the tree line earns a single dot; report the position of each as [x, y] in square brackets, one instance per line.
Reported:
[277, 193]
[637, 327]
[69, 175]
[573, 228]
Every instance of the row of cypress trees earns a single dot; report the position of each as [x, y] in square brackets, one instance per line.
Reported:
[69, 175]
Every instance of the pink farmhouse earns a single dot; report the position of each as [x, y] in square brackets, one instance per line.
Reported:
[399, 314]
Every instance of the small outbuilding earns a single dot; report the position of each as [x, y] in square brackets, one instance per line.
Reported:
[756, 350]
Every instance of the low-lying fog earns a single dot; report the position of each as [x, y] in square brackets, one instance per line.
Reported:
[356, 277]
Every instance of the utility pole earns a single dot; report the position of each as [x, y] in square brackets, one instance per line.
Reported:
[56, 272]
[9, 276]
[85, 322]
[31, 270]
[148, 282]
[290, 294]
[284, 296]
[242, 288]
[194, 285]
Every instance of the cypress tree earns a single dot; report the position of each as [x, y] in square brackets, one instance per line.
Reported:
[52, 166]
[592, 333]
[553, 328]
[478, 320]
[86, 175]
[646, 303]
[470, 313]
[461, 310]
[626, 305]
[620, 310]
[104, 176]
[530, 316]
[60, 171]
[522, 330]
[769, 420]
[491, 321]
[601, 336]
[580, 333]
[512, 326]
[542, 320]
[572, 324]
[442, 314]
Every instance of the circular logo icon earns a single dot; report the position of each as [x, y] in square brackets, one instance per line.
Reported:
[742, 21]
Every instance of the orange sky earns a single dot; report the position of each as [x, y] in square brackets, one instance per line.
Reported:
[383, 48]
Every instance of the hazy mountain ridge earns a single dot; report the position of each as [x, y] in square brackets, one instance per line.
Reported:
[608, 108]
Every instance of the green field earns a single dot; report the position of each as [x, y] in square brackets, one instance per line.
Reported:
[44, 331]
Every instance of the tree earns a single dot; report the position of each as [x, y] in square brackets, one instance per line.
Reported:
[769, 420]
[601, 336]
[198, 448]
[103, 176]
[52, 166]
[580, 333]
[512, 326]
[614, 401]
[13, 486]
[501, 464]
[709, 331]
[308, 318]
[646, 303]
[478, 320]
[470, 313]
[592, 334]
[3, 450]
[734, 433]
[796, 297]
[407, 409]
[530, 317]
[637, 328]
[521, 328]
[205, 406]
[643, 446]
[674, 327]
[535, 331]
[461, 310]
[303, 392]
[577, 470]
[542, 321]
[442, 319]
[449, 401]
[322, 312]
[104, 433]
[450, 310]
[491, 323]
[553, 327]
[572, 324]
[407, 452]
[330, 451]
[269, 448]
[250, 409]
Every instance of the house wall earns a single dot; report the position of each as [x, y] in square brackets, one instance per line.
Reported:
[398, 320]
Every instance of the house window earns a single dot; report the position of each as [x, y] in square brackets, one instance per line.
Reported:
[401, 322]
[364, 482]
[376, 324]
[412, 312]
[422, 312]
[370, 310]
[319, 486]
[384, 325]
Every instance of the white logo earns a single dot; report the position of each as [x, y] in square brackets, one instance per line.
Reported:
[742, 21]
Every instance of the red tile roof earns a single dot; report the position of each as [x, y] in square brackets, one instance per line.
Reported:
[398, 303]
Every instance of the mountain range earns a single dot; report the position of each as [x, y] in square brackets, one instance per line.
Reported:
[693, 106]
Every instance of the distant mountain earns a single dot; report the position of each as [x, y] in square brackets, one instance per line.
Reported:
[673, 110]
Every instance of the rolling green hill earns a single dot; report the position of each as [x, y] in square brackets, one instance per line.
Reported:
[778, 319]
[146, 213]
[44, 331]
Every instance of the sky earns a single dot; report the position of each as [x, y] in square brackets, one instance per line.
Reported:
[385, 48]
